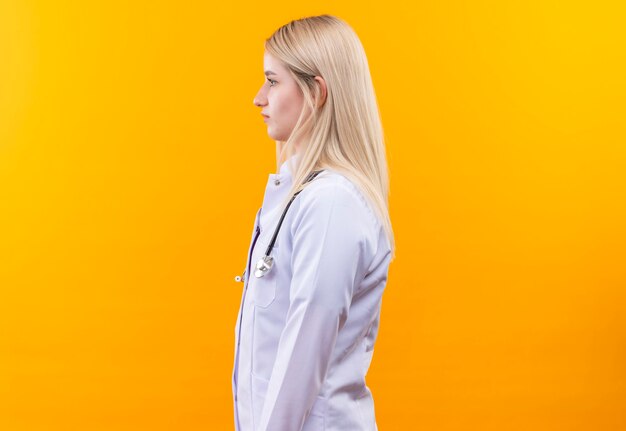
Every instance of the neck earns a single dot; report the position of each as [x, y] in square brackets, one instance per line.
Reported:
[282, 157]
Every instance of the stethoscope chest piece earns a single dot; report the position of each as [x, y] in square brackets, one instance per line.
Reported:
[263, 266]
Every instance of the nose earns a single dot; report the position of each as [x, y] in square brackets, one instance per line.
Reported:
[260, 99]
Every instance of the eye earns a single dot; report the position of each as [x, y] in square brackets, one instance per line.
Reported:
[271, 81]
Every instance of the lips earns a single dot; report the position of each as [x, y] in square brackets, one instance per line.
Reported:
[265, 116]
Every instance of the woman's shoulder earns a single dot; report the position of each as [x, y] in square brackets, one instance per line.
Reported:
[333, 204]
[332, 188]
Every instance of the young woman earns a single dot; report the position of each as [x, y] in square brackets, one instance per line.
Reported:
[322, 240]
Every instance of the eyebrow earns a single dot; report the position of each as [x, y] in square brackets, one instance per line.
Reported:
[269, 72]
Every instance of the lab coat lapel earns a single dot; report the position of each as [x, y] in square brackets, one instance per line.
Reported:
[276, 190]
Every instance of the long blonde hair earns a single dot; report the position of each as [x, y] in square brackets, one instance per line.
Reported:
[344, 134]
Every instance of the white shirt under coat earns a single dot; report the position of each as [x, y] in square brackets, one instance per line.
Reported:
[305, 332]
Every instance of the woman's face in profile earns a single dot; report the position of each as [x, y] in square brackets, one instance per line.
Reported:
[280, 99]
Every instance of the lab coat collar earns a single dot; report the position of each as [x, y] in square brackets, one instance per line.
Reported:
[284, 167]
[275, 193]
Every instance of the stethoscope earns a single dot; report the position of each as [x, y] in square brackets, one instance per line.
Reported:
[266, 263]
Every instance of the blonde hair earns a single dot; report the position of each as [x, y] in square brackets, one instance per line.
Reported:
[345, 133]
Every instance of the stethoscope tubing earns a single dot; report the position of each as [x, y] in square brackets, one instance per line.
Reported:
[265, 264]
[282, 216]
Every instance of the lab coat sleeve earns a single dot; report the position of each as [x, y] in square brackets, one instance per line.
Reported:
[326, 261]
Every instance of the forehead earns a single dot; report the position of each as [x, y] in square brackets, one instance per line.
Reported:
[272, 66]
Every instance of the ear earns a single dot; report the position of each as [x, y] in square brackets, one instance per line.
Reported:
[323, 91]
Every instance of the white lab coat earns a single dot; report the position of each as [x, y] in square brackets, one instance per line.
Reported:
[305, 332]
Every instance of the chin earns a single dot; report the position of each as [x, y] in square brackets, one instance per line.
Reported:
[276, 136]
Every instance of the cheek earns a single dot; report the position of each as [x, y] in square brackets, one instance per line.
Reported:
[286, 104]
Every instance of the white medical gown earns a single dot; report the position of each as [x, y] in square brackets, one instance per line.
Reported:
[305, 332]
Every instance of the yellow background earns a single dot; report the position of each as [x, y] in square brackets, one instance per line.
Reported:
[132, 163]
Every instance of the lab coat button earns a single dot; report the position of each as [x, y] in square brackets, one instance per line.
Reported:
[277, 182]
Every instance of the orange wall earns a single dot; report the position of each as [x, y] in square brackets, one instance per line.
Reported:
[132, 163]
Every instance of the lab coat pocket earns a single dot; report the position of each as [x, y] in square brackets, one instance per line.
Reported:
[264, 290]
